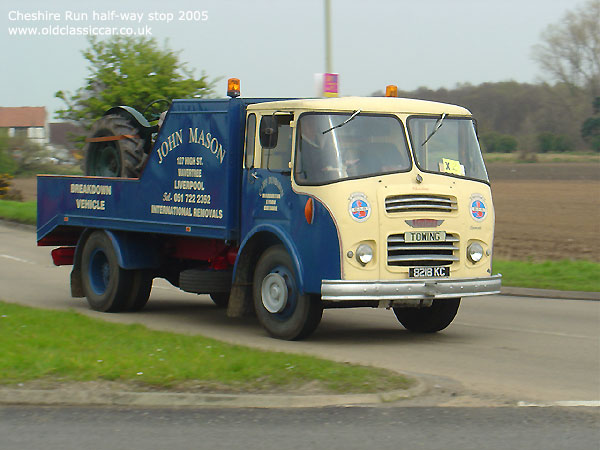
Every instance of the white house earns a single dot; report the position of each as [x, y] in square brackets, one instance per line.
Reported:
[26, 121]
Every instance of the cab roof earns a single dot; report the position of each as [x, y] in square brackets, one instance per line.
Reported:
[365, 104]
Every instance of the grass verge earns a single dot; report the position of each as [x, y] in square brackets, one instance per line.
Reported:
[65, 346]
[562, 275]
[23, 212]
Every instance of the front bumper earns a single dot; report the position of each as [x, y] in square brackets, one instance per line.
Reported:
[410, 289]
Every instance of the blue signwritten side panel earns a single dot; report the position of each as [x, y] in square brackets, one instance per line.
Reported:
[190, 184]
[271, 205]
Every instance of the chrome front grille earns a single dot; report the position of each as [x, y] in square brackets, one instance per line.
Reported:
[441, 253]
[420, 202]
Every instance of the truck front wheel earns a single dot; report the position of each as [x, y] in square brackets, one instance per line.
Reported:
[429, 320]
[280, 308]
[106, 286]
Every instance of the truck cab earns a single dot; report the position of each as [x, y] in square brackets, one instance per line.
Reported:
[378, 202]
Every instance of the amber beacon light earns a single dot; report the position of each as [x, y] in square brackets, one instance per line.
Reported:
[233, 87]
[391, 91]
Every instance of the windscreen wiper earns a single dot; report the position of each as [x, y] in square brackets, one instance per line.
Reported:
[437, 126]
[354, 114]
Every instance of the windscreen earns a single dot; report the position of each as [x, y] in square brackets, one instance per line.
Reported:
[334, 147]
[447, 145]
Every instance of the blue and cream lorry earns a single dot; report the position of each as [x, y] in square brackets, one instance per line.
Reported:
[280, 208]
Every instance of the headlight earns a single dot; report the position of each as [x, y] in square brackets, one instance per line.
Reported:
[364, 254]
[475, 252]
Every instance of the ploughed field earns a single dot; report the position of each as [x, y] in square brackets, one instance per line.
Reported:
[543, 210]
[546, 210]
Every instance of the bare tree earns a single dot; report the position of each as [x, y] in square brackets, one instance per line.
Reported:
[570, 49]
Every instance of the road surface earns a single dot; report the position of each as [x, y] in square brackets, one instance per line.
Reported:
[500, 349]
[382, 428]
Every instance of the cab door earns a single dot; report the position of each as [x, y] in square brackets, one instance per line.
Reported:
[270, 204]
[267, 196]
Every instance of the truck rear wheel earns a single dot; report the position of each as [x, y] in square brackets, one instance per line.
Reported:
[106, 286]
[123, 157]
[139, 293]
[429, 320]
[280, 308]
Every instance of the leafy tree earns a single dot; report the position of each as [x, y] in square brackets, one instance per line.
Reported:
[498, 143]
[553, 143]
[570, 49]
[18, 155]
[520, 110]
[7, 163]
[29, 156]
[4, 184]
[590, 130]
[133, 72]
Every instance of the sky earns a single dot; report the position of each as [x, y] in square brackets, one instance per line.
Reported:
[275, 47]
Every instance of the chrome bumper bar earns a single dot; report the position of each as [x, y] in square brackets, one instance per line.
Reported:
[409, 289]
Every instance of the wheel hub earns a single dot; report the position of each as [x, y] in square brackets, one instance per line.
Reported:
[99, 272]
[274, 292]
[105, 161]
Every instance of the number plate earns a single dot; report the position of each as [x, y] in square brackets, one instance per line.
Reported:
[424, 236]
[429, 272]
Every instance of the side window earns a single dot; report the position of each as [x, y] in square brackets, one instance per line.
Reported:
[278, 158]
[250, 138]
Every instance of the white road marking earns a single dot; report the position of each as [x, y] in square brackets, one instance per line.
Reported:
[525, 330]
[14, 258]
[567, 403]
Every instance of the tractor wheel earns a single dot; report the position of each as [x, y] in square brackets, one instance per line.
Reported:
[123, 157]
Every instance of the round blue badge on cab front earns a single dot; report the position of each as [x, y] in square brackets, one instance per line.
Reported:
[359, 207]
[478, 208]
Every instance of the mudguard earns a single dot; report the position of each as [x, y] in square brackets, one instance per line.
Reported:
[278, 233]
[134, 251]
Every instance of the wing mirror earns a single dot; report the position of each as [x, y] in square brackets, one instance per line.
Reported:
[268, 132]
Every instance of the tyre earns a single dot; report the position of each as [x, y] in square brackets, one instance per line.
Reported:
[106, 286]
[139, 293]
[280, 308]
[123, 158]
[429, 320]
[203, 281]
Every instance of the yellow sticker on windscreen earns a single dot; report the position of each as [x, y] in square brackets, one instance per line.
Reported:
[452, 166]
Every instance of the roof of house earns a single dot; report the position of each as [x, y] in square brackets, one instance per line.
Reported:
[23, 116]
